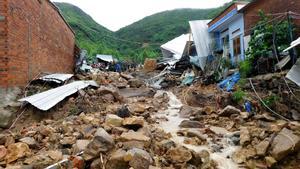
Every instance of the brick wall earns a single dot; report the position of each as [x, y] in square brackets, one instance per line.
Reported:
[270, 6]
[3, 43]
[38, 41]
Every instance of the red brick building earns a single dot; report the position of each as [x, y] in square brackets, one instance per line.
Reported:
[251, 11]
[34, 38]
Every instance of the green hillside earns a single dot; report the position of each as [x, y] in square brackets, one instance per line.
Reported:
[89, 34]
[136, 41]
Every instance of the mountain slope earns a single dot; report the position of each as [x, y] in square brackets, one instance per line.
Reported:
[136, 41]
[89, 34]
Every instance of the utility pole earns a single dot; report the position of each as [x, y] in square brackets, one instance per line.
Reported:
[293, 52]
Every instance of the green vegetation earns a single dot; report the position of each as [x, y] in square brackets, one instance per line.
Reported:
[238, 96]
[261, 43]
[271, 100]
[136, 41]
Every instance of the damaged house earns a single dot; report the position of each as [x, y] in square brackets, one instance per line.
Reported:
[34, 38]
[228, 31]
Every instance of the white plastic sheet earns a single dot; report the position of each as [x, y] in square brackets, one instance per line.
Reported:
[293, 44]
[176, 46]
[107, 58]
[202, 40]
[294, 73]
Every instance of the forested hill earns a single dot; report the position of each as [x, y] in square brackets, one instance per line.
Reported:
[136, 41]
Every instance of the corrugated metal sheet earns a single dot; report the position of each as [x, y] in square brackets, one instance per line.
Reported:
[46, 100]
[294, 73]
[107, 58]
[57, 78]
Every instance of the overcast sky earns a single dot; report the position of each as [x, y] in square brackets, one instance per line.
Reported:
[115, 14]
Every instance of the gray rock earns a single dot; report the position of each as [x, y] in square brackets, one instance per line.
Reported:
[102, 142]
[29, 141]
[139, 158]
[191, 124]
[229, 110]
[284, 143]
[80, 145]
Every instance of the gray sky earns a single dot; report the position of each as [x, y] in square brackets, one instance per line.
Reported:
[115, 14]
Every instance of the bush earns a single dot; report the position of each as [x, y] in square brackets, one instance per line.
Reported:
[238, 96]
[245, 68]
[271, 100]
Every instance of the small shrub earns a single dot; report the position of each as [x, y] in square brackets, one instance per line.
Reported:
[242, 82]
[245, 68]
[238, 96]
[271, 100]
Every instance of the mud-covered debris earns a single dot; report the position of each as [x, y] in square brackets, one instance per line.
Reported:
[136, 83]
[111, 90]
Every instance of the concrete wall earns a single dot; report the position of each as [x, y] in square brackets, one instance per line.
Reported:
[37, 40]
[236, 24]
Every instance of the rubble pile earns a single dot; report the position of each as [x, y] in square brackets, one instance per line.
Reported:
[123, 124]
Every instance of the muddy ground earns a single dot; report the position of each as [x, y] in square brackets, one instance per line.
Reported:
[125, 124]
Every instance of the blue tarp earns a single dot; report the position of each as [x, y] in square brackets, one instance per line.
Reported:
[229, 82]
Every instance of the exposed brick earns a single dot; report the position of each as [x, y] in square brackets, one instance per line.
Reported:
[33, 39]
[269, 6]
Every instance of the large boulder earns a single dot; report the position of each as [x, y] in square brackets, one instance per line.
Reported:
[102, 142]
[284, 143]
